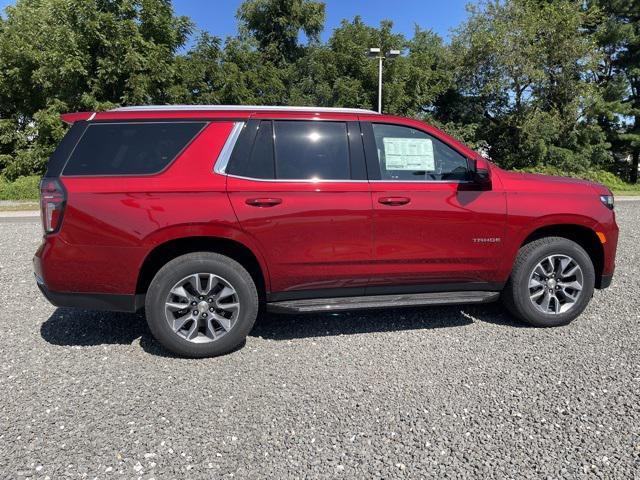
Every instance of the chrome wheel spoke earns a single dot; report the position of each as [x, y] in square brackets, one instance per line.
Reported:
[556, 304]
[192, 333]
[179, 291]
[546, 300]
[555, 284]
[537, 294]
[535, 283]
[229, 307]
[177, 306]
[211, 282]
[180, 322]
[571, 285]
[202, 290]
[540, 271]
[193, 281]
[570, 298]
[211, 329]
[224, 322]
[225, 293]
[571, 272]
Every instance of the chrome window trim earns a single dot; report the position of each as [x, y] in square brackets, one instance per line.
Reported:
[285, 180]
[324, 180]
[421, 181]
[225, 154]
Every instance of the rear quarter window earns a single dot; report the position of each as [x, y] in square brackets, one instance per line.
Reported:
[130, 148]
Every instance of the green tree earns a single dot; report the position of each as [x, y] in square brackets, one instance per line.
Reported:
[618, 75]
[522, 71]
[276, 25]
[199, 75]
[60, 55]
[340, 73]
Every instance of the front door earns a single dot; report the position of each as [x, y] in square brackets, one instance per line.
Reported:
[431, 229]
[300, 190]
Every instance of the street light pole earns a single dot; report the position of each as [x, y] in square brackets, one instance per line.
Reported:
[380, 84]
[376, 53]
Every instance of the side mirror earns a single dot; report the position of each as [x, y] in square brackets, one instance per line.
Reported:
[481, 174]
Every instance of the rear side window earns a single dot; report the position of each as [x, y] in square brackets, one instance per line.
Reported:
[259, 163]
[311, 150]
[122, 148]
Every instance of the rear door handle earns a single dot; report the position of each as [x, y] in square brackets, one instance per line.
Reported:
[394, 201]
[263, 202]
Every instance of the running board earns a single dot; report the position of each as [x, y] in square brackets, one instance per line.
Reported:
[381, 301]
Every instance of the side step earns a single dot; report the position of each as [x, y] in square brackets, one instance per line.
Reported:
[380, 301]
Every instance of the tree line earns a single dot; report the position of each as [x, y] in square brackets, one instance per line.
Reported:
[536, 84]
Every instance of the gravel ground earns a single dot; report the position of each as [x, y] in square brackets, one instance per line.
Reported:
[446, 392]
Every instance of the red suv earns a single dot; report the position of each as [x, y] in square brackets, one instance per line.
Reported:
[200, 214]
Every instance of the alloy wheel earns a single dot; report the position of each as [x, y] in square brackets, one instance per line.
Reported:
[202, 307]
[555, 284]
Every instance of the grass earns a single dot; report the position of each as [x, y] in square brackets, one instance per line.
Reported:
[24, 188]
[626, 193]
[608, 179]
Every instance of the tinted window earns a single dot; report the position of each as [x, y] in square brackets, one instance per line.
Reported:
[129, 148]
[408, 154]
[259, 163]
[311, 149]
[64, 149]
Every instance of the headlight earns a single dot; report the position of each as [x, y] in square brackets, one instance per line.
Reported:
[607, 200]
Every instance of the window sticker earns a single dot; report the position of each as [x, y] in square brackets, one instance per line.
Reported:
[409, 154]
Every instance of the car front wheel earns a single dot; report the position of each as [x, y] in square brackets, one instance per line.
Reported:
[551, 282]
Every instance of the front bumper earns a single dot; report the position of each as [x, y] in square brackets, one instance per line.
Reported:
[605, 281]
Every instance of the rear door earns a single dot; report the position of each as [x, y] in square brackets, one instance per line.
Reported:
[299, 188]
[431, 228]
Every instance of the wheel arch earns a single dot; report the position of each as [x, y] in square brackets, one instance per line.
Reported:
[168, 250]
[580, 234]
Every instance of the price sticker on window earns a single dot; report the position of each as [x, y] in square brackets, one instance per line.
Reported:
[409, 154]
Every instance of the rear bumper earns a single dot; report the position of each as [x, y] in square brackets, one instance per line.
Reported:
[63, 271]
[92, 301]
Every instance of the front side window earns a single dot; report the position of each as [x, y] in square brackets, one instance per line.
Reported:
[405, 153]
[130, 148]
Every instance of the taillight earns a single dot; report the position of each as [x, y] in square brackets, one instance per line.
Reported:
[52, 202]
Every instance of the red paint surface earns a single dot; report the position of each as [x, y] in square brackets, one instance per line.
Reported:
[316, 235]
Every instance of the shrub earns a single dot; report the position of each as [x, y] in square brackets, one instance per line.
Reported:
[23, 188]
[608, 179]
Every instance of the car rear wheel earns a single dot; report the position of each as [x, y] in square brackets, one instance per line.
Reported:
[201, 305]
[551, 282]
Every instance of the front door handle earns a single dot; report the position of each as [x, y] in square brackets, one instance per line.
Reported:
[394, 201]
[263, 202]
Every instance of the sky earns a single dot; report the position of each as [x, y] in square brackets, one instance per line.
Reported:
[218, 16]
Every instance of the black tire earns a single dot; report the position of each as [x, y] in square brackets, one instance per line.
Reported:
[515, 295]
[201, 262]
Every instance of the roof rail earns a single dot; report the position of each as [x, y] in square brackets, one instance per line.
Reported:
[143, 108]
